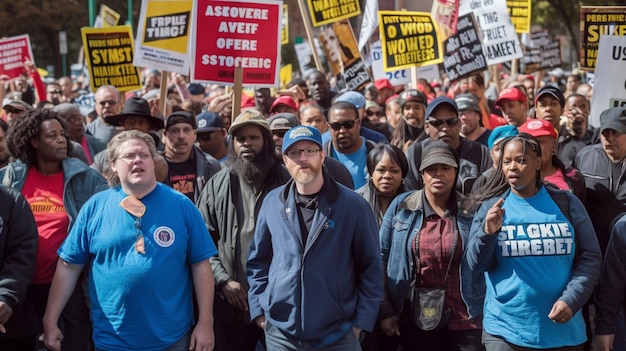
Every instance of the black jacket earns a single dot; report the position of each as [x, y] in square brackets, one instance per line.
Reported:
[603, 203]
[18, 247]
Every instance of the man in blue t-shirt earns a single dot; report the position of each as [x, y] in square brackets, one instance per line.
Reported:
[147, 247]
[346, 144]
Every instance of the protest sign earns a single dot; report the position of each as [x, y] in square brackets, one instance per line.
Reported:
[499, 39]
[445, 14]
[305, 57]
[108, 17]
[464, 51]
[594, 23]
[13, 52]
[109, 55]
[609, 90]
[551, 55]
[163, 35]
[229, 34]
[286, 74]
[284, 31]
[329, 11]
[344, 58]
[519, 11]
[369, 24]
[409, 39]
[531, 62]
[397, 77]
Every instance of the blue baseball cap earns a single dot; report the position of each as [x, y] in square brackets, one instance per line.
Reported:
[355, 98]
[209, 122]
[441, 101]
[501, 132]
[301, 133]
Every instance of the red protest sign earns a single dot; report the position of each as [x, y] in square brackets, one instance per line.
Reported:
[13, 52]
[229, 34]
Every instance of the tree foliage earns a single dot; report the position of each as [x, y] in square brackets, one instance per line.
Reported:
[563, 16]
[42, 20]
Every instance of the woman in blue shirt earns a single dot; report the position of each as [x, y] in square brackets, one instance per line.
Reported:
[539, 251]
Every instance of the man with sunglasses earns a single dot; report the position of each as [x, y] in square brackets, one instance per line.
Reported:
[16, 109]
[309, 264]
[53, 93]
[443, 123]
[108, 103]
[346, 143]
[279, 124]
[211, 135]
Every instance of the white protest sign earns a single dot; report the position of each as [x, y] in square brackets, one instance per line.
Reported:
[397, 77]
[305, 57]
[499, 39]
[609, 90]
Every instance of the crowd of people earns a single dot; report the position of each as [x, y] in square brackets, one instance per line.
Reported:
[442, 216]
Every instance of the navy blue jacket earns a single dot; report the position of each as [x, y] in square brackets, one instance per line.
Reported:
[311, 289]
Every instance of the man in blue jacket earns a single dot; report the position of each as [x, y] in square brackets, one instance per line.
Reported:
[314, 266]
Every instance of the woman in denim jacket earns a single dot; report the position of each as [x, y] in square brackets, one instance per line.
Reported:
[422, 237]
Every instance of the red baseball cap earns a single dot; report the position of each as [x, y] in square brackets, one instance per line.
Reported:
[537, 128]
[284, 100]
[247, 101]
[383, 83]
[512, 94]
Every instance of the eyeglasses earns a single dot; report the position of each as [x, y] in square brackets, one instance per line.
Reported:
[279, 133]
[348, 125]
[371, 113]
[54, 92]
[110, 102]
[295, 153]
[205, 136]
[130, 158]
[438, 123]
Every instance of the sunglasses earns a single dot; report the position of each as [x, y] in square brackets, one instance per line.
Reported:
[279, 133]
[205, 136]
[438, 123]
[11, 109]
[137, 209]
[371, 113]
[336, 126]
[54, 92]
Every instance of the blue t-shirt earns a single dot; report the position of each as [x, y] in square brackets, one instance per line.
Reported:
[139, 301]
[356, 163]
[534, 261]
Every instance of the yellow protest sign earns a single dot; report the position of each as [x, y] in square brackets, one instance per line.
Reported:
[286, 73]
[109, 56]
[408, 39]
[519, 11]
[597, 21]
[163, 35]
[109, 17]
[329, 11]
[284, 33]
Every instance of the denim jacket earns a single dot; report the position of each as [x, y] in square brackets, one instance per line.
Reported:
[402, 222]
